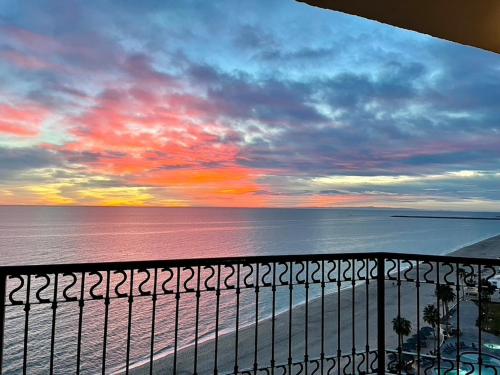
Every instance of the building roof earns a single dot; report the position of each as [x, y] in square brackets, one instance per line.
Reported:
[471, 22]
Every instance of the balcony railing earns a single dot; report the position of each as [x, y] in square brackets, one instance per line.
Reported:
[366, 313]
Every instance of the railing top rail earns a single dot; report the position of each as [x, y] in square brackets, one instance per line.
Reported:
[104, 266]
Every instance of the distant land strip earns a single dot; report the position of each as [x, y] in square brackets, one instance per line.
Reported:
[448, 217]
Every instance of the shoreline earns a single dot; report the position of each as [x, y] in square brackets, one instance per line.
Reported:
[486, 248]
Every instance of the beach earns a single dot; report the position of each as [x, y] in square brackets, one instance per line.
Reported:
[357, 321]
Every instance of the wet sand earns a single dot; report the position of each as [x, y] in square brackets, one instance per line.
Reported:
[293, 342]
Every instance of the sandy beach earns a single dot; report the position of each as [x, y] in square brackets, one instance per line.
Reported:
[355, 315]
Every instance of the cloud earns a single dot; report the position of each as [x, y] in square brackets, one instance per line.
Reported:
[21, 121]
[169, 104]
[14, 160]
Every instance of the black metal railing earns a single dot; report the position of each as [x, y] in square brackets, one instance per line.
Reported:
[366, 313]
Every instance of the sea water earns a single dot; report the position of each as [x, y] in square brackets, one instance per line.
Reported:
[47, 235]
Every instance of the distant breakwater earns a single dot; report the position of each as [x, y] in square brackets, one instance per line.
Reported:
[447, 217]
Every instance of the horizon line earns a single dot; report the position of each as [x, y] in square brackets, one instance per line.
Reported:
[249, 207]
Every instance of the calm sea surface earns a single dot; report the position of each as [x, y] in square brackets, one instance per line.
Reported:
[35, 235]
[30, 235]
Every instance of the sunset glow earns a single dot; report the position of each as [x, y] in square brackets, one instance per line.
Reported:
[251, 104]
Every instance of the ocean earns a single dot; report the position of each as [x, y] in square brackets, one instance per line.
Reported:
[45, 235]
[40, 235]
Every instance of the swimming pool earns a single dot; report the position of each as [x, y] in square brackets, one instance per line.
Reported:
[473, 360]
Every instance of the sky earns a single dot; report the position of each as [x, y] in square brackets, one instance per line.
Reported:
[267, 103]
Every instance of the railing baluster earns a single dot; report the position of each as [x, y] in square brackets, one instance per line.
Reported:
[418, 317]
[197, 321]
[217, 311]
[154, 297]
[400, 356]
[27, 307]
[53, 330]
[381, 314]
[339, 284]
[458, 287]
[479, 325]
[306, 334]
[367, 312]
[273, 323]
[106, 319]
[290, 312]
[256, 334]
[438, 354]
[322, 354]
[176, 329]
[81, 304]
[129, 324]
[237, 319]
[3, 281]
[353, 315]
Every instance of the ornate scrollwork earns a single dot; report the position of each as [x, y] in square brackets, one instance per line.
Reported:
[491, 275]
[12, 300]
[210, 276]
[317, 364]
[426, 274]
[360, 275]
[450, 272]
[469, 276]
[300, 365]
[228, 277]
[374, 361]
[345, 273]
[248, 275]
[332, 367]
[361, 362]
[298, 279]
[96, 285]
[120, 283]
[373, 269]
[317, 270]
[188, 279]
[266, 274]
[283, 274]
[283, 368]
[428, 365]
[38, 295]
[331, 274]
[391, 270]
[345, 369]
[164, 285]
[144, 282]
[491, 367]
[68, 287]
[407, 271]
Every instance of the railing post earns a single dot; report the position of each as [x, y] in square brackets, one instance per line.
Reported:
[3, 277]
[381, 313]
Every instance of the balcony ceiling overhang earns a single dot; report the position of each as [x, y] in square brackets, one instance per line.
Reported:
[472, 22]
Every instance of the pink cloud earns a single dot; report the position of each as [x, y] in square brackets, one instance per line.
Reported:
[21, 121]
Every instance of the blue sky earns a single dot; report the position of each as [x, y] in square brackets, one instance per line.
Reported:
[254, 103]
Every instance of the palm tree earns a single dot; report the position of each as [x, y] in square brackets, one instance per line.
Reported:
[487, 289]
[402, 327]
[445, 293]
[431, 316]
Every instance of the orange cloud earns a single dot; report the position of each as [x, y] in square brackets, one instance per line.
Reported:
[225, 186]
[215, 176]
